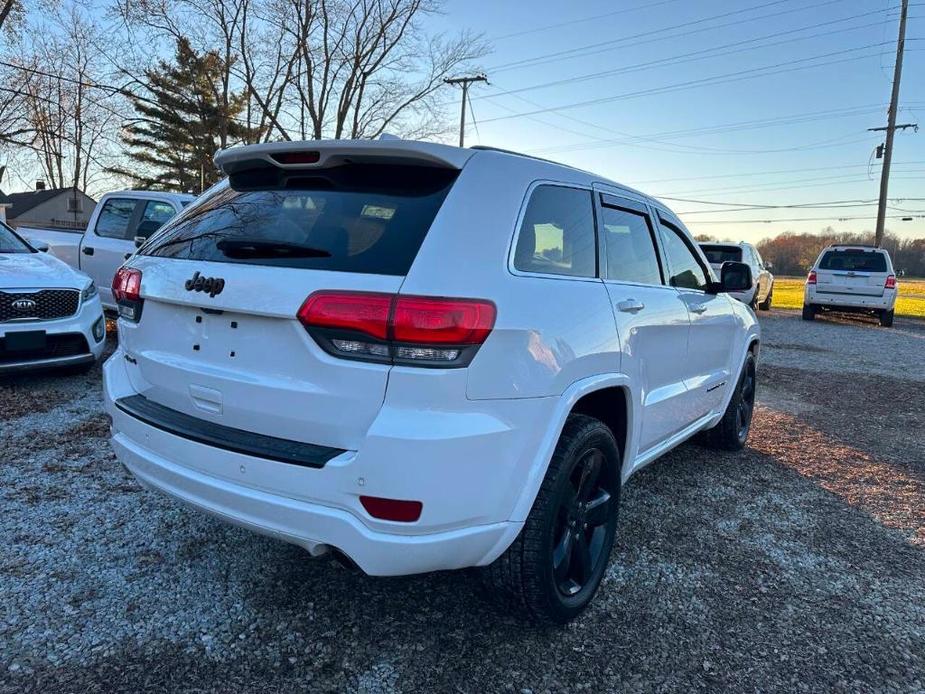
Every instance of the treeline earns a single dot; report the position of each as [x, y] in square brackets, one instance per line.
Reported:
[793, 254]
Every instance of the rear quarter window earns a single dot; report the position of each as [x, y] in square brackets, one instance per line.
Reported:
[853, 261]
[354, 218]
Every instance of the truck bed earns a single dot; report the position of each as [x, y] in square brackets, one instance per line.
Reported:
[64, 244]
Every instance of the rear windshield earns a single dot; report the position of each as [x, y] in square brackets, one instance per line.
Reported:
[722, 254]
[354, 218]
[853, 260]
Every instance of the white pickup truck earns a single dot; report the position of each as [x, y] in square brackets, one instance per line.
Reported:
[120, 220]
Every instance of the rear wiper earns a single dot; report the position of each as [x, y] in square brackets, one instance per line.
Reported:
[259, 248]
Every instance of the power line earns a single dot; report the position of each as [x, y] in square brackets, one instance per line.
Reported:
[766, 173]
[720, 129]
[738, 75]
[582, 50]
[705, 53]
[621, 12]
[797, 184]
[763, 206]
[801, 219]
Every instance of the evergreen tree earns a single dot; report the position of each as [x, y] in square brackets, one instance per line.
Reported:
[183, 120]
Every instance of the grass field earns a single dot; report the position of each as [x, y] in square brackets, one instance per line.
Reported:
[788, 293]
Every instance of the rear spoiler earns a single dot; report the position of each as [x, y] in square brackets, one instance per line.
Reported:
[316, 154]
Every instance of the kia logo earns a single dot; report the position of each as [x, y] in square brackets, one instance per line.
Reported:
[211, 285]
[24, 305]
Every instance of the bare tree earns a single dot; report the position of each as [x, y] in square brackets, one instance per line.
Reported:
[8, 9]
[65, 115]
[321, 68]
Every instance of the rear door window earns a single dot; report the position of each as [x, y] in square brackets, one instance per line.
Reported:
[365, 219]
[157, 211]
[851, 260]
[114, 221]
[557, 235]
[629, 249]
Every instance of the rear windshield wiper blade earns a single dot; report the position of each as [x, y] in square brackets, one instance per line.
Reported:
[260, 248]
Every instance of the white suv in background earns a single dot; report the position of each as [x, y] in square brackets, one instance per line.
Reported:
[50, 314]
[853, 279]
[422, 357]
[761, 293]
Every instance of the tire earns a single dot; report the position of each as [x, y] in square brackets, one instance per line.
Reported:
[766, 304]
[886, 318]
[555, 566]
[809, 312]
[732, 431]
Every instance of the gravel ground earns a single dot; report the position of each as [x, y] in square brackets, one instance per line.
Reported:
[798, 565]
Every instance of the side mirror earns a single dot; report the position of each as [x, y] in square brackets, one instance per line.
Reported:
[768, 266]
[41, 247]
[146, 229]
[735, 277]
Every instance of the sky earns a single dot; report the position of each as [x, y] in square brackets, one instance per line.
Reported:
[752, 102]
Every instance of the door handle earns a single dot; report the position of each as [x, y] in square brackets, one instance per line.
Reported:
[87, 250]
[630, 305]
[698, 308]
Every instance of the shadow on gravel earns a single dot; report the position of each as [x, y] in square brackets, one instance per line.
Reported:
[877, 416]
[732, 571]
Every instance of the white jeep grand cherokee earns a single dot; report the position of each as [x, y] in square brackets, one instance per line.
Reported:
[422, 357]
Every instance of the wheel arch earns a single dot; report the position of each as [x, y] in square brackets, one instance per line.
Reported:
[588, 395]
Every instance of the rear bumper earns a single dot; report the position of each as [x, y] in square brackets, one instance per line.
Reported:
[312, 525]
[82, 323]
[467, 480]
[850, 301]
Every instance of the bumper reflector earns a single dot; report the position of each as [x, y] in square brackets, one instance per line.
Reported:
[392, 509]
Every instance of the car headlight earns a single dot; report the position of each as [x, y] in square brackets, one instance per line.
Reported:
[89, 291]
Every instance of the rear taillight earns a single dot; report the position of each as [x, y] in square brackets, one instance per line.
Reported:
[126, 290]
[890, 282]
[389, 328]
[811, 277]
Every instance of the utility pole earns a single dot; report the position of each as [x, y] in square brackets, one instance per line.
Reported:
[891, 124]
[464, 82]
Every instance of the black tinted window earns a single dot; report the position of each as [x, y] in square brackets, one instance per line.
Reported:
[366, 219]
[853, 260]
[630, 252]
[10, 242]
[685, 271]
[722, 254]
[114, 218]
[557, 233]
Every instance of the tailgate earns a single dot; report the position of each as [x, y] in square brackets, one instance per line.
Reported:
[850, 283]
[242, 359]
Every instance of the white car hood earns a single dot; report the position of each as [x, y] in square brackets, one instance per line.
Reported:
[38, 271]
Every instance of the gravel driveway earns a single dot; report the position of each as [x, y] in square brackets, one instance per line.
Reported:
[798, 565]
